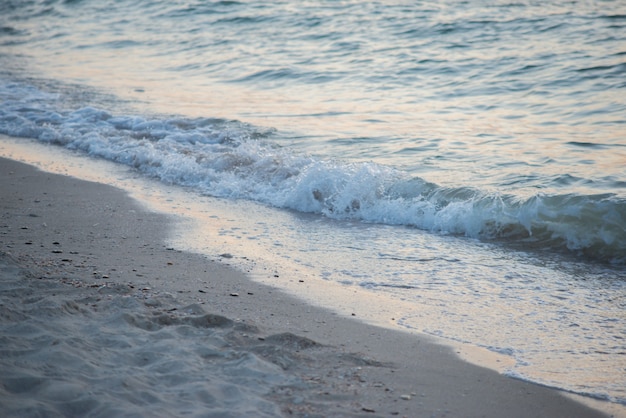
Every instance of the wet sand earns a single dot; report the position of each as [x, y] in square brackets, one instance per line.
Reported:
[99, 317]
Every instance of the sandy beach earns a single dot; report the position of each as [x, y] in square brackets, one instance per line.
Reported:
[99, 317]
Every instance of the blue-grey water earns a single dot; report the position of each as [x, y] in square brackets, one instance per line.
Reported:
[465, 156]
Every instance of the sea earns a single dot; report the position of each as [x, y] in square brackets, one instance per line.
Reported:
[463, 158]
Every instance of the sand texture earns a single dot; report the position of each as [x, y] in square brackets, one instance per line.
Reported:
[98, 317]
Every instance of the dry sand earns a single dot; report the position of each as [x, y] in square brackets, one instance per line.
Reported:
[99, 318]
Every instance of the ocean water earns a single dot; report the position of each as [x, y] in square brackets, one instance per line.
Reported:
[465, 158]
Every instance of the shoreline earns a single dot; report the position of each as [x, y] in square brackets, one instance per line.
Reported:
[96, 235]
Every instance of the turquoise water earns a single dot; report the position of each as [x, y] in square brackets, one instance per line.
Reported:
[455, 154]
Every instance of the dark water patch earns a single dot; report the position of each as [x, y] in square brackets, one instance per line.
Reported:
[245, 20]
[11, 31]
[620, 17]
[592, 145]
[283, 75]
[119, 44]
[524, 70]
[603, 68]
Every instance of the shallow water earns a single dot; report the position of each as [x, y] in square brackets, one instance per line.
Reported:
[465, 158]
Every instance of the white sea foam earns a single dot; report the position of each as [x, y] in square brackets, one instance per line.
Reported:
[235, 160]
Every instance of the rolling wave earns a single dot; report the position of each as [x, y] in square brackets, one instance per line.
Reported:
[235, 160]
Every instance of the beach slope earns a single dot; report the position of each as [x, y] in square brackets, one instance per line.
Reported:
[99, 317]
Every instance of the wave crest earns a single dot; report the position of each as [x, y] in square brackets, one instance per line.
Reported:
[231, 159]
